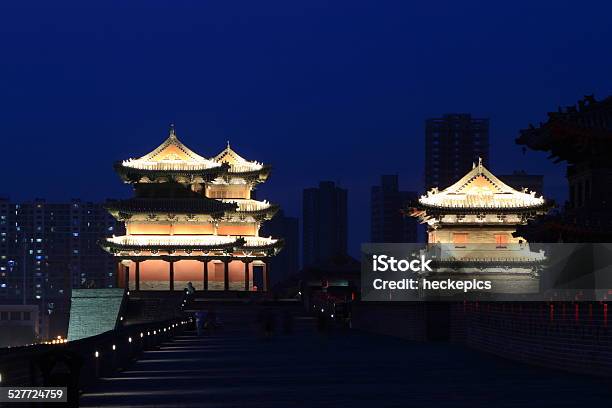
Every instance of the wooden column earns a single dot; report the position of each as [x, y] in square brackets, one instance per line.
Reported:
[226, 274]
[246, 275]
[266, 277]
[137, 276]
[118, 272]
[171, 275]
[205, 272]
[126, 279]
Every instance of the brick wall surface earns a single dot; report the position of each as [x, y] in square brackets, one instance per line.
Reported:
[569, 336]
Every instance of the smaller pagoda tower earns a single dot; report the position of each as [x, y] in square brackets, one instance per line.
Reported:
[192, 219]
[472, 226]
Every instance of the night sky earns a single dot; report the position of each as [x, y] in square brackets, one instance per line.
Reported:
[319, 89]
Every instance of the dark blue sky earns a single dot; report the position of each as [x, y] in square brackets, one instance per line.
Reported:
[319, 89]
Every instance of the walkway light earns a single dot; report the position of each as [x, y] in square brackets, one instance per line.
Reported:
[114, 347]
[96, 354]
[129, 339]
[141, 335]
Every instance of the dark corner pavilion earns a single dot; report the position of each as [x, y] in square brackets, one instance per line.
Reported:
[580, 135]
[192, 219]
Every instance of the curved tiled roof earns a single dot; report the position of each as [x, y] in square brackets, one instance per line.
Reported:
[237, 164]
[171, 155]
[480, 189]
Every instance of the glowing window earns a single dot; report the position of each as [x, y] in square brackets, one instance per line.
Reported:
[460, 239]
[501, 240]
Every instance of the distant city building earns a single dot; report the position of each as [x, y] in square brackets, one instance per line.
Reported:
[286, 262]
[46, 249]
[452, 144]
[325, 223]
[387, 221]
[19, 325]
[520, 179]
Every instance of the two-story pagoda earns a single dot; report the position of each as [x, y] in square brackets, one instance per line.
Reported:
[472, 225]
[192, 219]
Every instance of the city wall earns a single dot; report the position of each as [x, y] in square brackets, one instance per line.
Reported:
[568, 336]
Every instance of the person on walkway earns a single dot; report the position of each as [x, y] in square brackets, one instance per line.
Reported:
[200, 317]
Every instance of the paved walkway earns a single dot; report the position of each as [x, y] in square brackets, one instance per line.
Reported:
[237, 368]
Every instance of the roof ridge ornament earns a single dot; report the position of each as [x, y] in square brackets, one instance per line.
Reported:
[172, 132]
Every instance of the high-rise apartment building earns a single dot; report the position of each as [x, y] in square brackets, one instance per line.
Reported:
[46, 249]
[286, 262]
[325, 223]
[453, 143]
[388, 224]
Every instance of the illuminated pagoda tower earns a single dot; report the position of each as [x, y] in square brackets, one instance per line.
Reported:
[473, 222]
[192, 219]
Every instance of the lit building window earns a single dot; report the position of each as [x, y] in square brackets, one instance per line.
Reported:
[460, 239]
[501, 240]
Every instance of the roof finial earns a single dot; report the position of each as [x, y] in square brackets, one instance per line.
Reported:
[172, 131]
[480, 163]
[228, 144]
